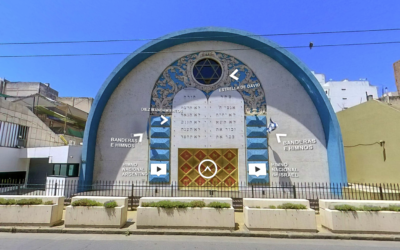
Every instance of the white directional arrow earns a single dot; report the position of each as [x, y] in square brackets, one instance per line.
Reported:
[164, 120]
[233, 75]
[140, 136]
[278, 137]
[207, 168]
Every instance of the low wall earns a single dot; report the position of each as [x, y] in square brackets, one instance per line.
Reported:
[45, 215]
[206, 217]
[264, 218]
[97, 216]
[359, 221]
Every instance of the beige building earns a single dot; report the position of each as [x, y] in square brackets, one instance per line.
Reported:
[371, 139]
[82, 103]
[30, 150]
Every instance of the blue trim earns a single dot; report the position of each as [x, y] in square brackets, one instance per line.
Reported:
[257, 143]
[258, 121]
[256, 132]
[333, 136]
[159, 154]
[257, 155]
[156, 121]
[160, 143]
[160, 132]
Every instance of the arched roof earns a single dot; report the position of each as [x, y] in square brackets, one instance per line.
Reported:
[333, 136]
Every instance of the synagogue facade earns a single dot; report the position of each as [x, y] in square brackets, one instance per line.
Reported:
[212, 107]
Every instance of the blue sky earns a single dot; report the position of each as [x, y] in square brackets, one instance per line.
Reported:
[66, 20]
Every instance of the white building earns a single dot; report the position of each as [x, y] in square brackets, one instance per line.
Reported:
[345, 94]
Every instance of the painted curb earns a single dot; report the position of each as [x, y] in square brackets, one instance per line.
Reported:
[205, 233]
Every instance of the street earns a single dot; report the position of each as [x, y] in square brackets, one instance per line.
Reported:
[23, 241]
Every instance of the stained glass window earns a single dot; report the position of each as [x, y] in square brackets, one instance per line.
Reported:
[207, 71]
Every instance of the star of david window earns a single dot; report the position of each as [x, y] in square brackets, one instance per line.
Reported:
[207, 71]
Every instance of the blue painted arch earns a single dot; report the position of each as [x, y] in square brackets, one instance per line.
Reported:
[333, 136]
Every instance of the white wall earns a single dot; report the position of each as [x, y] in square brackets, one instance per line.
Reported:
[64, 154]
[10, 160]
[346, 94]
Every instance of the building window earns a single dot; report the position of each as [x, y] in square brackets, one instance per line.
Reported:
[343, 89]
[344, 98]
[207, 71]
[68, 170]
[13, 135]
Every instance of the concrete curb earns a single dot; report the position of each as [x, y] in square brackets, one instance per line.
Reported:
[290, 235]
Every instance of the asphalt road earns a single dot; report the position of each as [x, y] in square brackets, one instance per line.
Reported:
[29, 241]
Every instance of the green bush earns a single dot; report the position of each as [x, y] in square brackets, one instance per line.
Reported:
[394, 208]
[86, 203]
[370, 208]
[197, 204]
[166, 204]
[7, 201]
[29, 202]
[217, 204]
[110, 204]
[180, 204]
[271, 207]
[346, 208]
[48, 203]
[292, 206]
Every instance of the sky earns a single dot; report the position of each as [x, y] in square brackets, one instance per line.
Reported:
[82, 76]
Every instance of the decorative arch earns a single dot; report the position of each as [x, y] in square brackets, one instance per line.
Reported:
[179, 75]
[333, 136]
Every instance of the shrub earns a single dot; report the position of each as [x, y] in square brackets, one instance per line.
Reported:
[166, 204]
[180, 204]
[29, 202]
[271, 207]
[48, 203]
[217, 204]
[292, 206]
[110, 204]
[7, 201]
[147, 204]
[86, 203]
[394, 208]
[197, 204]
[370, 208]
[346, 208]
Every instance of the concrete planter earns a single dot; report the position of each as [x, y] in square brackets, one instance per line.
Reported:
[264, 218]
[32, 215]
[97, 216]
[206, 217]
[359, 221]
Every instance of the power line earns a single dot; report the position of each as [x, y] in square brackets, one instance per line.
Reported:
[200, 37]
[192, 51]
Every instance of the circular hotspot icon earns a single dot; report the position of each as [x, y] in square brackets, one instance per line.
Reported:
[215, 165]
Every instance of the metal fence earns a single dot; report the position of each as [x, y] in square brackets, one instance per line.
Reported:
[135, 190]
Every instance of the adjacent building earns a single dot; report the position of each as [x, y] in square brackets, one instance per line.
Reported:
[396, 67]
[40, 137]
[346, 94]
[24, 89]
[371, 138]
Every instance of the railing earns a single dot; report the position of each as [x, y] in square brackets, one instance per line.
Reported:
[135, 190]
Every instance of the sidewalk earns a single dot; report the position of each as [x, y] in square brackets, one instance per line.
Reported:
[240, 231]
